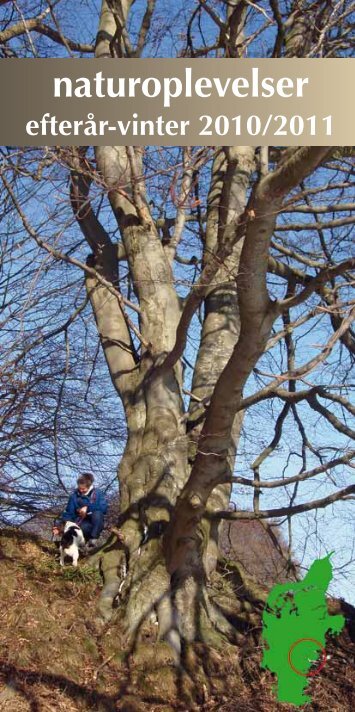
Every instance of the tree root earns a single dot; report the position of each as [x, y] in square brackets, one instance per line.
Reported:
[221, 612]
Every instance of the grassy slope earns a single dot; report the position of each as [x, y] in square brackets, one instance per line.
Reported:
[54, 656]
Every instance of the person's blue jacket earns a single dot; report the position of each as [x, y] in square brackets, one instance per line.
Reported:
[94, 500]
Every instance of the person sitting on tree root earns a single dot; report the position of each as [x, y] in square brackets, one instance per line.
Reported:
[86, 507]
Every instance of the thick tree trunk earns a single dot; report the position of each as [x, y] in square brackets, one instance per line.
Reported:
[227, 199]
[177, 467]
[157, 463]
[152, 480]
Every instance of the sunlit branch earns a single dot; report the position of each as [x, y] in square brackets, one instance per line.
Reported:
[340, 495]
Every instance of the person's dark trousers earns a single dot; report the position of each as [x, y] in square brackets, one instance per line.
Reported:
[92, 525]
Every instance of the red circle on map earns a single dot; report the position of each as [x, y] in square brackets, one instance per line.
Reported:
[321, 664]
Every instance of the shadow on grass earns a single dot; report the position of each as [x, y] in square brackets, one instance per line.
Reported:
[22, 679]
[47, 547]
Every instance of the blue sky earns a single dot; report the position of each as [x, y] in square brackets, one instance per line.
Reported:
[314, 534]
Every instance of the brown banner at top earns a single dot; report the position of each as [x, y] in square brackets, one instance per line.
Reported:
[207, 102]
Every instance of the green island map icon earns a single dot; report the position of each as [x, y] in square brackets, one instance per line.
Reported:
[295, 624]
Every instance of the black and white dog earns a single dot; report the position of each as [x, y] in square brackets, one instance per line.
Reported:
[72, 539]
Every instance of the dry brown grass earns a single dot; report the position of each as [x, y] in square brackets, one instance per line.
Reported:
[55, 657]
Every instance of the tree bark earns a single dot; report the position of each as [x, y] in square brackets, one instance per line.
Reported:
[177, 468]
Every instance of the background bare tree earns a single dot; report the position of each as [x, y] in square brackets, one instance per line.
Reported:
[55, 406]
[220, 285]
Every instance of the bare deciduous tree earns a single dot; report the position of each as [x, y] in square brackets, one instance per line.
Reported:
[220, 284]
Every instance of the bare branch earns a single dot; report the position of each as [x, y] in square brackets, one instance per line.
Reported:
[330, 417]
[301, 477]
[331, 208]
[313, 284]
[280, 28]
[326, 225]
[340, 495]
[146, 22]
[301, 370]
[35, 24]
[212, 14]
[57, 255]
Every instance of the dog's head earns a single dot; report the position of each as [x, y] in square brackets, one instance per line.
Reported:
[72, 536]
[60, 528]
[68, 525]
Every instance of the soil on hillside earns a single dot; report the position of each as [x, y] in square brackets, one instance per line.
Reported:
[55, 656]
